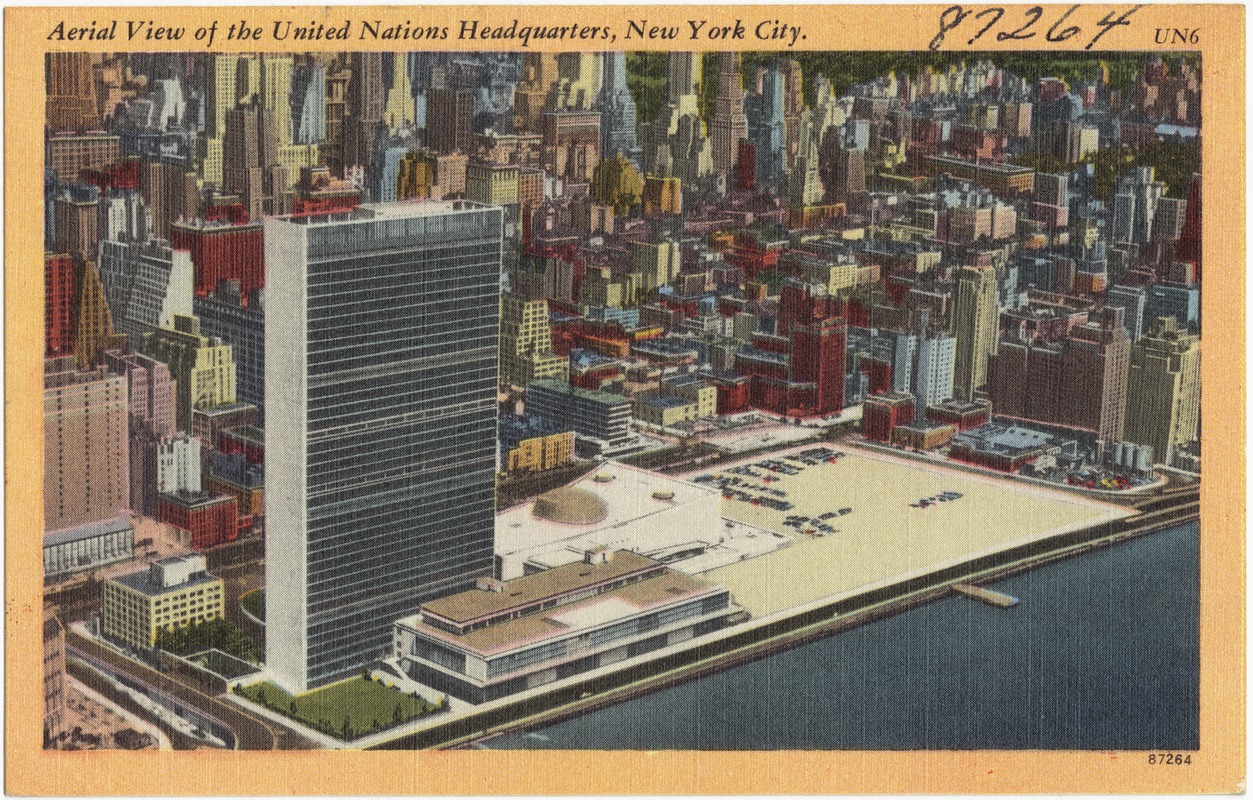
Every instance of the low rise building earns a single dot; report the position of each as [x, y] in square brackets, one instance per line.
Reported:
[506, 637]
[89, 546]
[212, 519]
[534, 444]
[168, 594]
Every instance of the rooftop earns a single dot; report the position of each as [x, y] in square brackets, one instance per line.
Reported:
[561, 387]
[555, 582]
[630, 494]
[662, 589]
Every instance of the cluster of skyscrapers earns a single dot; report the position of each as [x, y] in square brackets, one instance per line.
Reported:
[322, 277]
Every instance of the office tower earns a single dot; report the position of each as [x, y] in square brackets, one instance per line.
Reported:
[380, 436]
[309, 104]
[793, 106]
[1164, 389]
[571, 144]
[1135, 206]
[224, 315]
[331, 151]
[219, 98]
[399, 111]
[178, 465]
[86, 461]
[449, 120]
[617, 112]
[93, 325]
[1132, 301]
[54, 677]
[526, 344]
[69, 154]
[578, 82]
[933, 373]
[1179, 300]
[1189, 248]
[729, 124]
[250, 160]
[539, 72]
[77, 221]
[222, 250]
[170, 192]
[71, 87]
[974, 328]
[58, 305]
[365, 108]
[202, 367]
[675, 143]
[146, 285]
[150, 420]
[1078, 383]
[764, 111]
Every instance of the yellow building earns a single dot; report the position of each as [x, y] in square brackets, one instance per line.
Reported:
[526, 345]
[540, 453]
[202, 366]
[974, 327]
[657, 263]
[493, 184]
[617, 183]
[663, 195]
[169, 594]
[686, 397]
[416, 177]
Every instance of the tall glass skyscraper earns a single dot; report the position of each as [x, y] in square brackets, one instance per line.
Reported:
[380, 386]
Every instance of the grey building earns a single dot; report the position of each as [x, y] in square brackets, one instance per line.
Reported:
[381, 425]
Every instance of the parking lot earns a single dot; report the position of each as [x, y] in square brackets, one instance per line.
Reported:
[858, 518]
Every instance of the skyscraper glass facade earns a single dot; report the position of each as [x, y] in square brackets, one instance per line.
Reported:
[381, 450]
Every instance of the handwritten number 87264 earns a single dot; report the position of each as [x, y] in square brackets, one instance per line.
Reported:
[953, 17]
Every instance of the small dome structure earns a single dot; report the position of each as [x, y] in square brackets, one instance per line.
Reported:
[570, 505]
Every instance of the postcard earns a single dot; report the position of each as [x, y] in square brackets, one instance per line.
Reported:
[628, 399]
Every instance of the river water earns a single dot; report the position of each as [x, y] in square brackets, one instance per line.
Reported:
[1101, 653]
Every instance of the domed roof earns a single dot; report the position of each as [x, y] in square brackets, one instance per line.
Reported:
[570, 505]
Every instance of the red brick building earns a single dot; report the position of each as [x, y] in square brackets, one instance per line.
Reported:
[58, 305]
[211, 519]
[881, 414]
[965, 415]
[223, 251]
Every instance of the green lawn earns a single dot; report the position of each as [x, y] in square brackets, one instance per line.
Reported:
[348, 709]
[254, 603]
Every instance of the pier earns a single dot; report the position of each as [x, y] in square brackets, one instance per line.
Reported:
[988, 596]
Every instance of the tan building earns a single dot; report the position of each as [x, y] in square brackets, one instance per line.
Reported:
[1163, 389]
[169, 594]
[86, 445]
[70, 154]
[922, 436]
[540, 453]
[526, 346]
[974, 317]
[202, 367]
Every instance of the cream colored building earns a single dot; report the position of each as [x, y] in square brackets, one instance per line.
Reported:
[202, 366]
[1163, 389]
[526, 346]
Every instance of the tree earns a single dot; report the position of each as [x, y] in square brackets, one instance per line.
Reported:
[346, 731]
